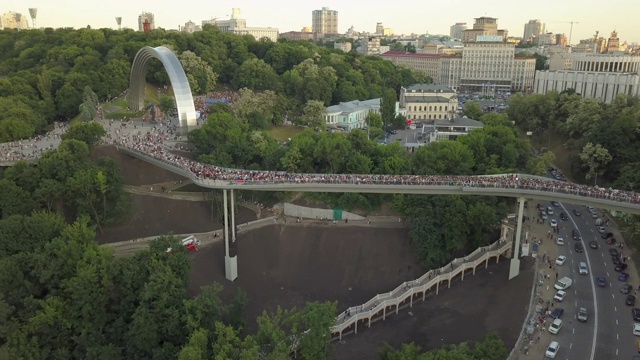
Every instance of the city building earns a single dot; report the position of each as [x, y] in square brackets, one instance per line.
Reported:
[13, 20]
[351, 115]
[428, 64]
[428, 102]
[455, 32]
[369, 46]
[190, 27]
[597, 76]
[546, 39]
[532, 30]
[613, 44]
[238, 26]
[561, 40]
[422, 133]
[324, 22]
[344, 46]
[484, 28]
[379, 29]
[296, 35]
[442, 47]
[148, 19]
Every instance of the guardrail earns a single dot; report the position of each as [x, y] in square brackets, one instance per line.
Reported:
[407, 291]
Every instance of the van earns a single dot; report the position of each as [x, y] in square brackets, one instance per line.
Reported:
[563, 283]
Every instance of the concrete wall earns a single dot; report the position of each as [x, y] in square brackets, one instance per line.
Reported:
[313, 213]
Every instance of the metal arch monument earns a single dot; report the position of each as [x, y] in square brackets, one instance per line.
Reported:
[179, 83]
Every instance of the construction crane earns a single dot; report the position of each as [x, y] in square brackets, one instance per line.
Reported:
[570, 30]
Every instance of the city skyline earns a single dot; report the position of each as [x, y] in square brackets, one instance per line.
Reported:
[587, 13]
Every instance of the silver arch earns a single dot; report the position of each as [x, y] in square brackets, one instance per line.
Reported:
[177, 76]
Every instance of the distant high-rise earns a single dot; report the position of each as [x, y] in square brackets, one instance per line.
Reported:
[13, 20]
[119, 22]
[324, 22]
[33, 12]
[613, 44]
[532, 29]
[456, 30]
[146, 17]
[484, 29]
[379, 29]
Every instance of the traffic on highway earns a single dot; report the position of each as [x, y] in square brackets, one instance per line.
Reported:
[594, 307]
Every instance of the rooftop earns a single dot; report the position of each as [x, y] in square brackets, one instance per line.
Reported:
[427, 99]
[408, 54]
[459, 121]
[355, 105]
[433, 88]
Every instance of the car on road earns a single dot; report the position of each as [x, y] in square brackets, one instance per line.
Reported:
[557, 313]
[578, 248]
[630, 300]
[623, 276]
[601, 229]
[549, 210]
[560, 260]
[636, 329]
[564, 216]
[576, 212]
[553, 223]
[621, 267]
[635, 312]
[583, 269]
[555, 203]
[626, 288]
[582, 314]
[601, 281]
[552, 350]
[593, 244]
[576, 234]
[560, 241]
[555, 326]
[613, 252]
[560, 295]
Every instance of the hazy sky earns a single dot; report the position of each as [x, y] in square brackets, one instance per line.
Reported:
[408, 16]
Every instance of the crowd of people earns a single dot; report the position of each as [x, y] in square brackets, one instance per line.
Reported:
[32, 149]
[200, 102]
[204, 173]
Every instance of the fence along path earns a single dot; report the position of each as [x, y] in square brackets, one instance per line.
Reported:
[393, 300]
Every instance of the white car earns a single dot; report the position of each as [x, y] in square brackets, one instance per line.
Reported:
[560, 241]
[549, 210]
[553, 223]
[560, 295]
[560, 260]
[555, 326]
[552, 350]
[636, 329]
[584, 270]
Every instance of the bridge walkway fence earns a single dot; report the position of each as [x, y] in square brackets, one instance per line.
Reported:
[382, 304]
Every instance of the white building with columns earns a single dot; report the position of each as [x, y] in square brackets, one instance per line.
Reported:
[597, 76]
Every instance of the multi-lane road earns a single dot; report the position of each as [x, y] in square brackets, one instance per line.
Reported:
[607, 334]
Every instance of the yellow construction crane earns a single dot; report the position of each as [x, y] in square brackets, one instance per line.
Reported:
[570, 30]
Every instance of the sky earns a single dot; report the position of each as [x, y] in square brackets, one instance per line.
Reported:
[406, 17]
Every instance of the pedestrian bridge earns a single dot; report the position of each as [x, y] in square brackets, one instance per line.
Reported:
[527, 187]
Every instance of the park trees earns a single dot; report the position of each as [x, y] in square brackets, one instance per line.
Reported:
[594, 157]
[202, 78]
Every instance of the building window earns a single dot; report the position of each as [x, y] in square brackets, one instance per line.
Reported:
[429, 108]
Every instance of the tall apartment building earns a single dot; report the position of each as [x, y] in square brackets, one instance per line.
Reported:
[532, 30]
[561, 40]
[13, 20]
[455, 32]
[484, 28]
[613, 44]
[238, 26]
[546, 39]
[324, 22]
[379, 29]
[146, 17]
[597, 76]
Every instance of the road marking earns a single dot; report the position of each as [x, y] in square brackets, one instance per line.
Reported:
[593, 292]
[616, 319]
[607, 272]
[573, 331]
[570, 346]
[616, 352]
[617, 336]
[615, 308]
[613, 296]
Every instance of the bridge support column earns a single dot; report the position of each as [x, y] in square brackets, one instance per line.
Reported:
[230, 257]
[514, 266]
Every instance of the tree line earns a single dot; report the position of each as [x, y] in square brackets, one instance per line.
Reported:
[44, 73]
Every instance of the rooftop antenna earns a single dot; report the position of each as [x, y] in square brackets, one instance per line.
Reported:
[119, 22]
[33, 12]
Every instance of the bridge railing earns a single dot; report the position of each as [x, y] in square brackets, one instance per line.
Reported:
[353, 179]
[419, 286]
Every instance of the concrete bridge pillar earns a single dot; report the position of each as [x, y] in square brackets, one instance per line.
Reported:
[514, 266]
[230, 257]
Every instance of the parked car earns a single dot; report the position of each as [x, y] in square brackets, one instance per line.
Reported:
[636, 331]
[582, 314]
[601, 229]
[541, 207]
[560, 241]
[557, 313]
[621, 267]
[613, 252]
[626, 288]
[553, 223]
[552, 350]
[630, 300]
[607, 235]
[549, 210]
[555, 326]
[560, 260]
[560, 295]
[543, 216]
[555, 203]
[623, 276]
[635, 312]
